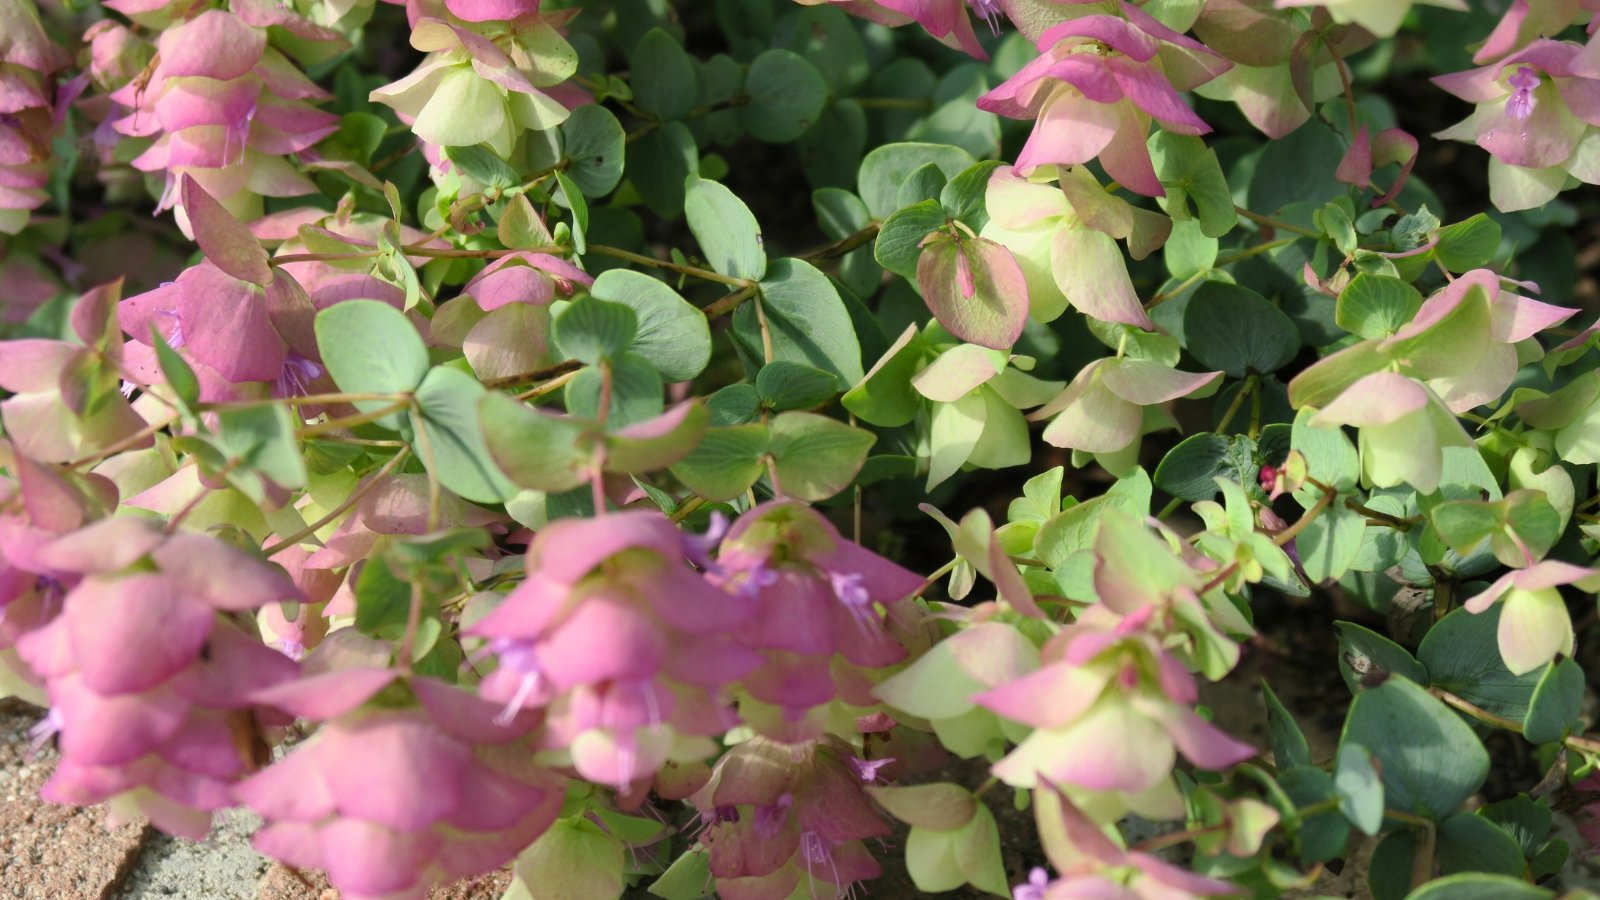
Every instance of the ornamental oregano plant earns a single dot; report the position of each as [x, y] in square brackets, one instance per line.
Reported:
[1037, 448]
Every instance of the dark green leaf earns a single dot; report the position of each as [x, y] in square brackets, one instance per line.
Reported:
[786, 95]
[1189, 469]
[1366, 654]
[1238, 331]
[1430, 760]
[637, 392]
[658, 165]
[1462, 655]
[1555, 707]
[1479, 886]
[883, 170]
[816, 456]
[1289, 747]
[662, 76]
[594, 142]
[1472, 843]
[787, 385]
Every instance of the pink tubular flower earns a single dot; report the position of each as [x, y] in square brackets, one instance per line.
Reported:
[1094, 90]
[816, 622]
[1535, 114]
[1111, 709]
[626, 648]
[225, 108]
[31, 109]
[148, 675]
[415, 788]
[781, 820]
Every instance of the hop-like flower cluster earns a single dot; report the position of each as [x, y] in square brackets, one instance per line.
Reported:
[816, 620]
[148, 674]
[627, 649]
[224, 107]
[406, 784]
[780, 820]
[31, 110]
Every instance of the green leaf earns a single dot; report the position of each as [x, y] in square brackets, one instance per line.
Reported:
[176, 372]
[1329, 544]
[964, 197]
[787, 385]
[672, 333]
[1555, 708]
[886, 167]
[382, 599]
[808, 322]
[594, 147]
[816, 456]
[1364, 653]
[662, 76]
[573, 199]
[637, 392]
[1323, 836]
[592, 330]
[1360, 789]
[828, 39]
[688, 878]
[263, 437]
[1462, 655]
[1525, 819]
[659, 442]
[536, 449]
[1297, 168]
[1376, 306]
[520, 227]
[726, 462]
[1289, 746]
[1238, 331]
[735, 404]
[899, 242]
[1472, 843]
[482, 166]
[449, 437]
[885, 396]
[1478, 886]
[924, 183]
[727, 233]
[659, 164]
[1188, 251]
[785, 95]
[1189, 470]
[1468, 244]
[371, 347]
[1330, 457]
[1189, 171]
[1430, 760]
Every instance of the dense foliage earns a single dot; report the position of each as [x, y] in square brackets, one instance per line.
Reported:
[447, 430]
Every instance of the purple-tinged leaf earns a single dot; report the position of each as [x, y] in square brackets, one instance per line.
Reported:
[225, 240]
[976, 290]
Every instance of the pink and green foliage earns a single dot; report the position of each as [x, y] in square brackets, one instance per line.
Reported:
[441, 429]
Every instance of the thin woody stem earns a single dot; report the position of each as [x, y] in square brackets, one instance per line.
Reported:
[345, 506]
